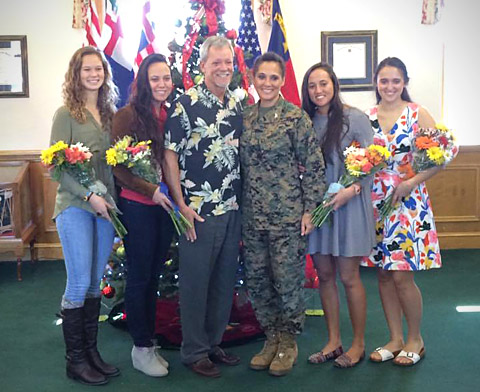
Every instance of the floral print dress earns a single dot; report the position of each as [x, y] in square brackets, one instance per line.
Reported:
[407, 239]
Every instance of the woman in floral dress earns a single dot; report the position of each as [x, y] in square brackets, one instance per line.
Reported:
[407, 238]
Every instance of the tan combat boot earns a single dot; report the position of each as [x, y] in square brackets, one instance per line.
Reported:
[263, 359]
[286, 355]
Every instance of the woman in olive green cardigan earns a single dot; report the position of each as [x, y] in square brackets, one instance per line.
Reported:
[81, 216]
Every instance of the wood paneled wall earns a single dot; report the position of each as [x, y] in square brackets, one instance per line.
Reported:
[47, 244]
[455, 195]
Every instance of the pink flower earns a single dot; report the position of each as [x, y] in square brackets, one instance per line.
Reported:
[367, 167]
[432, 236]
[402, 266]
[403, 219]
[379, 141]
[397, 256]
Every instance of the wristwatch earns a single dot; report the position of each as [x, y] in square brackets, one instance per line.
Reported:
[88, 196]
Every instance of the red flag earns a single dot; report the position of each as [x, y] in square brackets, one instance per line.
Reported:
[278, 44]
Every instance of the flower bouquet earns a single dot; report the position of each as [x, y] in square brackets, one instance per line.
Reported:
[431, 147]
[359, 163]
[137, 157]
[75, 161]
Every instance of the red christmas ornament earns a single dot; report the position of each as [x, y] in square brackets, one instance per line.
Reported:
[108, 291]
[231, 34]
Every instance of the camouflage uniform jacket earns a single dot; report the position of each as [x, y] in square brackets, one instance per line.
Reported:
[271, 147]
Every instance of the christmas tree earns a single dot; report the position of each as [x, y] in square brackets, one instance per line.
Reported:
[206, 21]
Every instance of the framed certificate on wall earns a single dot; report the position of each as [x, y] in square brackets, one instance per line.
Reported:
[353, 56]
[13, 66]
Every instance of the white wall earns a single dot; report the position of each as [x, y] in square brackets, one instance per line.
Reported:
[25, 122]
[401, 34]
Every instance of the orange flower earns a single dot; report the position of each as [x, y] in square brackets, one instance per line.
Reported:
[355, 144]
[407, 170]
[424, 142]
[367, 167]
[374, 157]
[74, 155]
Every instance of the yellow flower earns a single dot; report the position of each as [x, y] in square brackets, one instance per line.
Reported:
[123, 143]
[219, 210]
[111, 156]
[196, 202]
[59, 146]
[47, 156]
[383, 151]
[193, 93]
[441, 126]
[407, 245]
[231, 103]
[436, 155]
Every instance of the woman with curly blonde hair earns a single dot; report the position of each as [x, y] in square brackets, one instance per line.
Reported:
[81, 216]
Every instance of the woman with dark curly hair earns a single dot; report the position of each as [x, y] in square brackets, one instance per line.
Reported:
[145, 210]
[81, 216]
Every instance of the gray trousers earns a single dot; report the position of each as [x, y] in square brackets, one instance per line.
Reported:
[207, 277]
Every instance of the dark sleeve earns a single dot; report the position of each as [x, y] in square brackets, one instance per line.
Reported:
[122, 126]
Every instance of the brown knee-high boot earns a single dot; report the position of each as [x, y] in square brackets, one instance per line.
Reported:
[78, 367]
[91, 311]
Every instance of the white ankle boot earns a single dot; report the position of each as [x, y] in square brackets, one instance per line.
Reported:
[160, 359]
[145, 360]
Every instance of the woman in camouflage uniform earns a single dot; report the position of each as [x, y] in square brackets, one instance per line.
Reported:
[277, 201]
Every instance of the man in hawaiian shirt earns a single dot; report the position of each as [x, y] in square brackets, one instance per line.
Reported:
[201, 159]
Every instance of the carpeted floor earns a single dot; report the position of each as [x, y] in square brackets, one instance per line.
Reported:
[32, 351]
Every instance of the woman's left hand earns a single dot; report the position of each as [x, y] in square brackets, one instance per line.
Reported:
[341, 198]
[307, 225]
[402, 190]
[161, 199]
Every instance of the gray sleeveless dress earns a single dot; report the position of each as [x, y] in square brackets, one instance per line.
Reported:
[349, 231]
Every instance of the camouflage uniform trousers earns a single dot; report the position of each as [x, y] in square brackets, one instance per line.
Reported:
[275, 271]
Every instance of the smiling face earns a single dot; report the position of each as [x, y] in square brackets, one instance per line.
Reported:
[320, 89]
[390, 84]
[268, 81]
[92, 74]
[218, 69]
[160, 80]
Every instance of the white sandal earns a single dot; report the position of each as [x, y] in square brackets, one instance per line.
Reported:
[414, 357]
[386, 355]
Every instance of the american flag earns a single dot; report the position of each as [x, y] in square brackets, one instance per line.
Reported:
[247, 34]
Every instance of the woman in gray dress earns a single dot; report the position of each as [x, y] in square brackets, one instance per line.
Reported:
[341, 243]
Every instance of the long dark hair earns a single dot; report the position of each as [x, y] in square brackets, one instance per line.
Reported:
[147, 126]
[400, 65]
[336, 117]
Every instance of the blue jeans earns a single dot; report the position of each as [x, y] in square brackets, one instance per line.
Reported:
[150, 232]
[86, 242]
